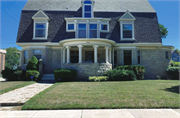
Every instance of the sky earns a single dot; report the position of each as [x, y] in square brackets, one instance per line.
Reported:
[168, 12]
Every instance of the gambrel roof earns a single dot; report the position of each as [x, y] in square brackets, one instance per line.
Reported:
[100, 5]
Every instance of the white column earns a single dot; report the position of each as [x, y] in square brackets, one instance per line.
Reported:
[68, 54]
[107, 48]
[109, 55]
[80, 53]
[64, 56]
[95, 53]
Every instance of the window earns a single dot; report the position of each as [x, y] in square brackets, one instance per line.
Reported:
[127, 30]
[93, 31]
[70, 26]
[104, 27]
[87, 9]
[138, 53]
[167, 56]
[82, 31]
[40, 30]
[25, 57]
[37, 54]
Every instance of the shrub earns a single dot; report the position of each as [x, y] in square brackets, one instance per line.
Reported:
[97, 78]
[175, 64]
[32, 64]
[65, 75]
[6, 73]
[120, 75]
[173, 73]
[32, 74]
[138, 70]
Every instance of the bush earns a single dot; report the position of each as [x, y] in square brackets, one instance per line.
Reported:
[65, 75]
[32, 64]
[97, 78]
[32, 74]
[120, 75]
[6, 73]
[138, 70]
[173, 73]
[23, 76]
[175, 64]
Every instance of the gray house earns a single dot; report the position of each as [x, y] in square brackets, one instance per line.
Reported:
[92, 36]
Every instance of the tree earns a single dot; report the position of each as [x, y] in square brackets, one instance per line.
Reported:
[178, 51]
[163, 31]
[12, 57]
[32, 64]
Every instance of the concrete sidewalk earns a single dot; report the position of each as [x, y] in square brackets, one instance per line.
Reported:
[100, 113]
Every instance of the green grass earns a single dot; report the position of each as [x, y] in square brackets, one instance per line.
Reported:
[11, 85]
[107, 95]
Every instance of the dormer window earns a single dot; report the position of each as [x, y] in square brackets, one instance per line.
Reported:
[87, 9]
[41, 22]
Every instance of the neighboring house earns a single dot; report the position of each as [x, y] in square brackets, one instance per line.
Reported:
[175, 56]
[92, 36]
[2, 59]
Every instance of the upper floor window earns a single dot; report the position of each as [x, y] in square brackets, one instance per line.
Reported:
[87, 9]
[82, 31]
[93, 31]
[40, 30]
[127, 31]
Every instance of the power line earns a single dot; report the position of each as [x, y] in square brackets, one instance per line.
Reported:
[10, 15]
[10, 9]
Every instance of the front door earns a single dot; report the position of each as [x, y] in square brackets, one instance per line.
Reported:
[90, 56]
[127, 57]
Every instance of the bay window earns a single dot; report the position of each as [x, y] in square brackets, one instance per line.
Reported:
[93, 31]
[82, 31]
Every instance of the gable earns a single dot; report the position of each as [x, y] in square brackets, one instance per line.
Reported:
[127, 16]
[40, 15]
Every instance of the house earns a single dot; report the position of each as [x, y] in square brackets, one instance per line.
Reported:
[92, 36]
[2, 59]
[175, 56]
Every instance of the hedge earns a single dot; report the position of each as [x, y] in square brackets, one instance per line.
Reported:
[65, 75]
[173, 72]
[175, 64]
[32, 75]
[97, 78]
[138, 70]
[120, 75]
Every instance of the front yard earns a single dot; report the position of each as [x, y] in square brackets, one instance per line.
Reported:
[11, 85]
[108, 95]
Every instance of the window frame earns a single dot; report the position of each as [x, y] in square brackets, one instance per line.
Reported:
[24, 57]
[121, 30]
[107, 27]
[69, 23]
[83, 13]
[39, 50]
[86, 30]
[90, 29]
[46, 29]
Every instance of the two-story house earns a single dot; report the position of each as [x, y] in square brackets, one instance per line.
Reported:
[175, 56]
[92, 36]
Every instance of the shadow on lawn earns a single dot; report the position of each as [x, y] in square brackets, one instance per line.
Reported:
[174, 89]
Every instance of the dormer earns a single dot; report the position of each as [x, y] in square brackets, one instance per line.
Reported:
[127, 26]
[41, 22]
[87, 8]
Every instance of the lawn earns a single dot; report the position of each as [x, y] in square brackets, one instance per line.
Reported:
[107, 95]
[11, 85]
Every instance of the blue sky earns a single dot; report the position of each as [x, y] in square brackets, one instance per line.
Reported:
[167, 11]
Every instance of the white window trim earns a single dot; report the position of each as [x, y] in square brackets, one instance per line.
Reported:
[46, 29]
[107, 27]
[121, 26]
[83, 11]
[67, 23]
[89, 29]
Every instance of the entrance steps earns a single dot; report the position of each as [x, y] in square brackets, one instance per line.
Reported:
[48, 77]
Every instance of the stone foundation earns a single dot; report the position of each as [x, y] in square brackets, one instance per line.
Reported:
[84, 70]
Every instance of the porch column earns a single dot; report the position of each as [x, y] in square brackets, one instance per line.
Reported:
[64, 55]
[95, 53]
[80, 53]
[68, 54]
[109, 55]
[107, 48]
